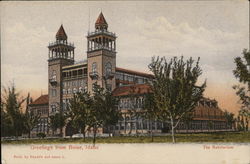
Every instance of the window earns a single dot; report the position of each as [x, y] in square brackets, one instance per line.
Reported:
[108, 68]
[125, 77]
[79, 72]
[159, 125]
[109, 87]
[145, 125]
[119, 76]
[69, 83]
[53, 108]
[125, 104]
[85, 71]
[64, 105]
[53, 92]
[140, 80]
[130, 78]
[94, 67]
[45, 121]
[85, 88]
[138, 103]
[73, 83]
[74, 90]
[74, 73]
[121, 104]
[65, 84]
[64, 74]
[53, 77]
[69, 91]
[80, 83]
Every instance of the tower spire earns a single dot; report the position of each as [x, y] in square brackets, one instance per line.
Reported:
[101, 23]
[61, 49]
[61, 34]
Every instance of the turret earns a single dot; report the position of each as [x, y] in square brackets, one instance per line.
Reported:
[101, 55]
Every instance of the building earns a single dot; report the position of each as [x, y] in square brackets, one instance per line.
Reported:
[207, 116]
[67, 77]
[40, 106]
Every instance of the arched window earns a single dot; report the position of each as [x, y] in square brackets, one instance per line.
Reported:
[53, 75]
[74, 90]
[94, 67]
[69, 91]
[108, 68]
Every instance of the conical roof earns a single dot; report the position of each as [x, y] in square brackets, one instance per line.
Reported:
[101, 22]
[61, 34]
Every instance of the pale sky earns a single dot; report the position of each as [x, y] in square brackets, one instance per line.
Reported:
[216, 31]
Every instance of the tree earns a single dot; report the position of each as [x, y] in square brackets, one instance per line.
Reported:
[174, 88]
[57, 120]
[104, 109]
[150, 111]
[229, 119]
[12, 105]
[79, 110]
[242, 73]
[111, 113]
[6, 125]
[133, 109]
[30, 119]
[96, 113]
[244, 114]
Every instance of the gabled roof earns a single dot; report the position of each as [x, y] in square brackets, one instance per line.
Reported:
[61, 34]
[42, 100]
[132, 89]
[101, 20]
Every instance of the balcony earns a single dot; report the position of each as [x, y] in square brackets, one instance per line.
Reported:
[101, 32]
[109, 75]
[59, 42]
[101, 47]
[75, 77]
[93, 75]
[53, 82]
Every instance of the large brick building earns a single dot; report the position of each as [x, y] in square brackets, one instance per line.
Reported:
[66, 77]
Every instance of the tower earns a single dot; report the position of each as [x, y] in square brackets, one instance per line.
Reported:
[61, 53]
[101, 55]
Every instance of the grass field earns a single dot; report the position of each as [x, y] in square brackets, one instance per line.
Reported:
[236, 137]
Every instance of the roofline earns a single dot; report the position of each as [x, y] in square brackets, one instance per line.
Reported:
[134, 72]
[74, 65]
[38, 104]
[129, 87]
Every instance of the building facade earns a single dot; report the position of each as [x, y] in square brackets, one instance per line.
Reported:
[67, 77]
[40, 107]
[207, 116]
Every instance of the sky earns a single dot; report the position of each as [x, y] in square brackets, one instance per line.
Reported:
[215, 31]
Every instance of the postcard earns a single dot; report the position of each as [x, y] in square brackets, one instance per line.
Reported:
[125, 82]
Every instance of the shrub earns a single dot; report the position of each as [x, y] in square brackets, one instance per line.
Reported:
[41, 135]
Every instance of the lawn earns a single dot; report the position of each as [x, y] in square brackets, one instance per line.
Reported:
[237, 137]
